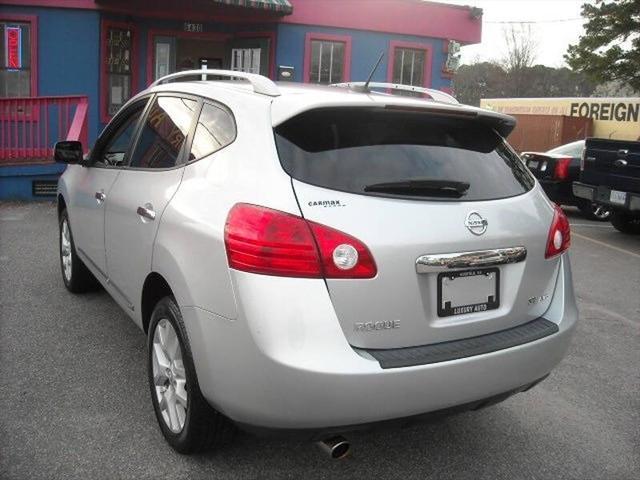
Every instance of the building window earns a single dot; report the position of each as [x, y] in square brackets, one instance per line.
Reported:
[119, 44]
[410, 63]
[408, 66]
[327, 59]
[15, 59]
[118, 64]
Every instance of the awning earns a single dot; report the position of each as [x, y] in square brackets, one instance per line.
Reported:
[280, 6]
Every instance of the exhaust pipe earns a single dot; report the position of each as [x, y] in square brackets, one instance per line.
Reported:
[335, 447]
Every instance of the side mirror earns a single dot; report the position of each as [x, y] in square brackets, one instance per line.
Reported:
[68, 151]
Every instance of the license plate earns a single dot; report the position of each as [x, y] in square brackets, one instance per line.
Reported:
[533, 164]
[618, 197]
[468, 291]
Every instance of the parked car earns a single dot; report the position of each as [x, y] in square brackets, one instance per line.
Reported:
[610, 175]
[311, 260]
[556, 170]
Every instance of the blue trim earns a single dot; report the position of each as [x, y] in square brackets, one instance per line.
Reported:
[16, 183]
[31, 170]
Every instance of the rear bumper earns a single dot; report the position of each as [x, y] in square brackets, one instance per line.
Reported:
[285, 364]
[602, 194]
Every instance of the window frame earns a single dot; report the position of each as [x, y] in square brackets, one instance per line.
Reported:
[32, 20]
[105, 25]
[394, 45]
[114, 125]
[323, 37]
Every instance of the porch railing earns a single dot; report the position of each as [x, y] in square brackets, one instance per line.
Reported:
[30, 126]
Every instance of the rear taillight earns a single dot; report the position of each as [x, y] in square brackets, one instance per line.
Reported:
[271, 242]
[559, 238]
[561, 171]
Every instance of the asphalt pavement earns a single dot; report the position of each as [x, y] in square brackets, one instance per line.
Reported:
[74, 401]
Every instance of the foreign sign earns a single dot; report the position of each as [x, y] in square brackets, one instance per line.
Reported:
[13, 42]
[616, 118]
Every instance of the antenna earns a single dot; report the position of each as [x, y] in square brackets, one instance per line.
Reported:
[373, 70]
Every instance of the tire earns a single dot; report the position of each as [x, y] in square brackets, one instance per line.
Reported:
[594, 211]
[75, 274]
[625, 223]
[187, 421]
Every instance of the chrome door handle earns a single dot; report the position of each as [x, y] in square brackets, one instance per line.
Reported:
[146, 212]
[100, 196]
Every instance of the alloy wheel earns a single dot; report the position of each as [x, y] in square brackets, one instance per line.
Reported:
[65, 250]
[169, 376]
[601, 212]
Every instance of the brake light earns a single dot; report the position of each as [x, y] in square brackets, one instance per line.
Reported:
[561, 171]
[271, 242]
[559, 238]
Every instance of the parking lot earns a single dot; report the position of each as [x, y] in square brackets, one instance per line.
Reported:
[75, 401]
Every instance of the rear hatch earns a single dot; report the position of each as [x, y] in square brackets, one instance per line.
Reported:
[414, 183]
[614, 163]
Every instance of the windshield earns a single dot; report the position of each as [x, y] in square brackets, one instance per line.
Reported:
[375, 151]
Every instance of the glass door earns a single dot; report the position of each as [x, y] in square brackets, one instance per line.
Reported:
[164, 56]
[249, 55]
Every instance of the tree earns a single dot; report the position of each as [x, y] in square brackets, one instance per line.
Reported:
[479, 80]
[610, 47]
[520, 55]
[614, 88]
[520, 48]
[490, 80]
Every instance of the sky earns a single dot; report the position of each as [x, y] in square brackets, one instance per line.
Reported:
[556, 24]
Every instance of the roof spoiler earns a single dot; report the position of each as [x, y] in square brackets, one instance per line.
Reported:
[500, 122]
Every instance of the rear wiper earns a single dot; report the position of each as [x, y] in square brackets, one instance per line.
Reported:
[429, 188]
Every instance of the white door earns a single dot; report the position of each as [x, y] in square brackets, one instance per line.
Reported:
[94, 185]
[142, 191]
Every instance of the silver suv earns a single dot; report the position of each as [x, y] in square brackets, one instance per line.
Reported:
[316, 259]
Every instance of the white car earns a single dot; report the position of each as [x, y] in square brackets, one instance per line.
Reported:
[311, 260]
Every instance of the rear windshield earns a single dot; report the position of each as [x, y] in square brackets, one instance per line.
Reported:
[353, 149]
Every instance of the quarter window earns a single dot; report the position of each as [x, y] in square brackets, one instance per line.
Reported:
[15, 59]
[215, 130]
[164, 132]
[327, 62]
[408, 66]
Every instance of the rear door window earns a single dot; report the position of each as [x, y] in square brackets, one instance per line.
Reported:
[164, 132]
[385, 152]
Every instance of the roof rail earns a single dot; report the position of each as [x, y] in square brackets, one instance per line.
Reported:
[436, 95]
[260, 84]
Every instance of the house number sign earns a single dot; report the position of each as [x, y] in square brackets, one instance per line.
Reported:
[193, 27]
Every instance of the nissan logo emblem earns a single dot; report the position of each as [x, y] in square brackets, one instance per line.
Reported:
[475, 223]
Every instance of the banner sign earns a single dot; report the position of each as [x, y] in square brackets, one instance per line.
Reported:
[13, 47]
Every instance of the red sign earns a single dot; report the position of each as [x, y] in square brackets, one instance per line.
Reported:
[13, 41]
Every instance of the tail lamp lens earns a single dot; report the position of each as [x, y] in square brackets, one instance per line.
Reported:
[271, 242]
[559, 238]
[561, 171]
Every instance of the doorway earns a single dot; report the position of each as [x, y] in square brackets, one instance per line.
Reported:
[175, 53]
